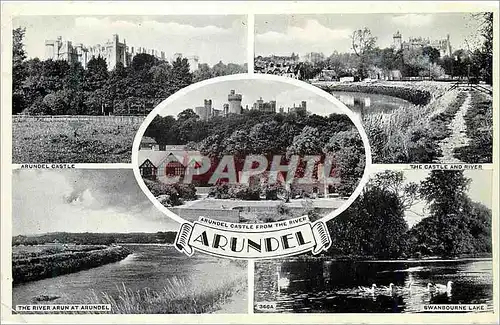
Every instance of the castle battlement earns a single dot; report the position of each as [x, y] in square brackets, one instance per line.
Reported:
[113, 51]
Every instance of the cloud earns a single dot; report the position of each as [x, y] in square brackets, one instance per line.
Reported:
[149, 26]
[82, 200]
[211, 41]
[413, 20]
[312, 32]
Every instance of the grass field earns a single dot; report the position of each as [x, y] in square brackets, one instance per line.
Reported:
[73, 140]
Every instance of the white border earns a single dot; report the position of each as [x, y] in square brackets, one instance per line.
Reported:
[163, 106]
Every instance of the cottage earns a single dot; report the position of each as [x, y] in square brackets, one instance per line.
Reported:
[169, 163]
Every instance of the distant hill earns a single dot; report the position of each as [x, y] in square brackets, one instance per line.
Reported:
[96, 238]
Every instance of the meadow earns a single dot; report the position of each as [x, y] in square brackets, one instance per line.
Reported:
[103, 139]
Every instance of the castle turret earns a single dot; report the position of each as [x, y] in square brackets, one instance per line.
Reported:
[397, 42]
[234, 102]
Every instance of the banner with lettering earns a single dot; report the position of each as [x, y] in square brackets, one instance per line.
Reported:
[253, 241]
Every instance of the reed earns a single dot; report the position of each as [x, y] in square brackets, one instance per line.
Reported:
[179, 296]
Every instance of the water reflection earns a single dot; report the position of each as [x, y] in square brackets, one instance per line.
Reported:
[362, 103]
[326, 286]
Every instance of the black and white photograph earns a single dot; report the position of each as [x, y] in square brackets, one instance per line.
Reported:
[251, 151]
[83, 84]
[412, 240]
[88, 236]
[421, 82]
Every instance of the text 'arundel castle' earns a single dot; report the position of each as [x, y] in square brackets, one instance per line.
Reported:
[113, 51]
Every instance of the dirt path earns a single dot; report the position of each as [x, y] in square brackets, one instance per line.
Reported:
[458, 138]
[237, 304]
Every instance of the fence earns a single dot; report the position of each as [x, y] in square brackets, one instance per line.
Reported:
[110, 119]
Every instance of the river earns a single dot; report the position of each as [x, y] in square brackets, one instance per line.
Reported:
[326, 286]
[149, 266]
[362, 103]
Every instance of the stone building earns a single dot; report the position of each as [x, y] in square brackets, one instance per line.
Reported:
[442, 45]
[113, 51]
[260, 105]
[234, 100]
[205, 112]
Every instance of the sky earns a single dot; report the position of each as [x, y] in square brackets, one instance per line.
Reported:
[480, 190]
[252, 89]
[212, 38]
[284, 34]
[83, 200]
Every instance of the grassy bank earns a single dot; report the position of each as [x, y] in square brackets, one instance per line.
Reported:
[419, 93]
[72, 140]
[54, 261]
[479, 122]
[179, 296]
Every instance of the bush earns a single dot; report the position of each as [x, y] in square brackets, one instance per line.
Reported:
[240, 192]
[171, 194]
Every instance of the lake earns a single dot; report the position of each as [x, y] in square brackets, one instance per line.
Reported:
[362, 103]
[332, 286]
[149, 266]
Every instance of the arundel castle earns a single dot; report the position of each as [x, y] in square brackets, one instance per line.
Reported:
[113, 51]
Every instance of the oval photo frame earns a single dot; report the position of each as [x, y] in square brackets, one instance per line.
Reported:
[300, 84]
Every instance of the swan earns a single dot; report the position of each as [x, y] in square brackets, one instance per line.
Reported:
[368, 290]
[443, 288]
[390, 289]
[430, 287]
[282, 282]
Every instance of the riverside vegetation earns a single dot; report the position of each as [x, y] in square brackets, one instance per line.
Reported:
[411, 134]
[58, 260]
[178, 297]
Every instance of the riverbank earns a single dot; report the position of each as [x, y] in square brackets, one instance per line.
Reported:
[46, 262]
[419, 93]
[413, 133]
[221, 294]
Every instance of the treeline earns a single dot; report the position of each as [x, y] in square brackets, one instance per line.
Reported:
[369, 60]
[88, 238]
[256, 132]
[58, 87]
[374, 225]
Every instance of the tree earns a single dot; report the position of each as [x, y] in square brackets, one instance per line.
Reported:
[487, 48]
[202, 73]
[372, 226]
[346, 150]
[18, 70]
[306, 143]
[431, 53]
[394, 182]
[181, 76]
[363, 43]
[445, 192]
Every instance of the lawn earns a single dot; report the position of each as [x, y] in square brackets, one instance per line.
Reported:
[73, 140]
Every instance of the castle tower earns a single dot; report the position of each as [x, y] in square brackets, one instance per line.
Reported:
[448, 45]
[234, 102]
[208, 107]
[397, 42]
